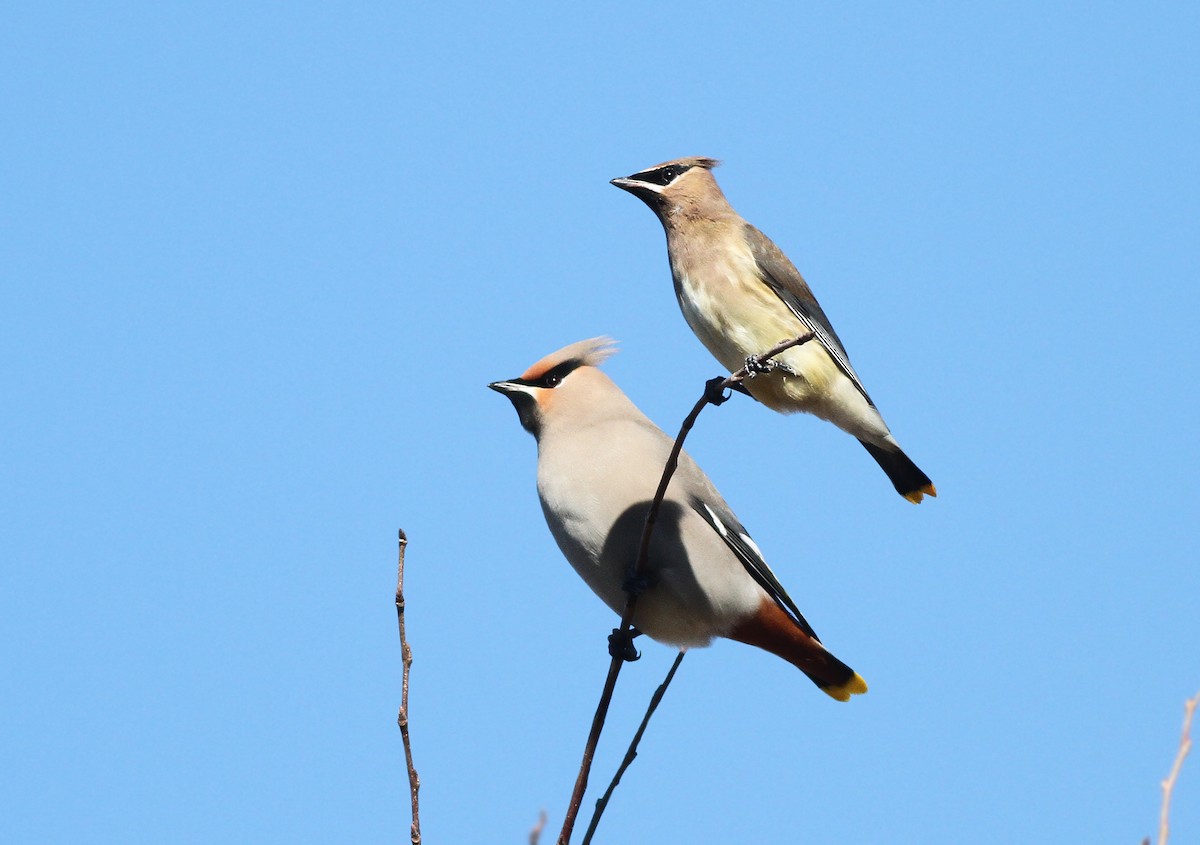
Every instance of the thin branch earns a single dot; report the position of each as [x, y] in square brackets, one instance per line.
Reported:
[414, 780]
[536, 833]
[712, 395]
[631, 753]
[589, 750]
[1168, 785]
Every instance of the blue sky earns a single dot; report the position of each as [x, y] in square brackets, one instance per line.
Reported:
[260, 261]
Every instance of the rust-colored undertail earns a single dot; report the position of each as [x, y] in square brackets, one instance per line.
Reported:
[773, 630]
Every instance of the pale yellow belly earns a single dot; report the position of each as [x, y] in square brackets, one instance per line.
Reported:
[750, 319]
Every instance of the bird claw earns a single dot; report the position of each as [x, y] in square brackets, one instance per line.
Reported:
[620, 644]
[755, 365]
[636, 584]
[714, 391]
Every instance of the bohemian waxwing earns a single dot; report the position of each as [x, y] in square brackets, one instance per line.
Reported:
[741, 295]
[599, 463]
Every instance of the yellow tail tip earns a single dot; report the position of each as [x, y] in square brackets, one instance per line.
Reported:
[842, 692]
[915, 496]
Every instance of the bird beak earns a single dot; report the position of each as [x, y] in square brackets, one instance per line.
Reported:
[523, 401]
[645, 191]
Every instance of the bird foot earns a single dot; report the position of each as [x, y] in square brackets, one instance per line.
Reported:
[620, 644]
[636, 584]
[714, 391]
[755, 365]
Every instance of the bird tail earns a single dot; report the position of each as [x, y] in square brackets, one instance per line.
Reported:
[774, 630]
[906, 476]
[847, 682]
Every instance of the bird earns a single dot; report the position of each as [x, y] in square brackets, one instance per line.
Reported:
[741, 295]
[600, 460]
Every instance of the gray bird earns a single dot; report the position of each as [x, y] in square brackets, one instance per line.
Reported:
[741, 295]
[599, 462]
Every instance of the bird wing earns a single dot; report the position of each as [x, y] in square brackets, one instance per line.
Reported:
[782, 277]
[747, 552]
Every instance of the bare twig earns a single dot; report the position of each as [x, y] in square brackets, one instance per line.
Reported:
[1168, 785]
[631, 753]
[414, 781]
[536, 833]
[712, 395]
[589, 750]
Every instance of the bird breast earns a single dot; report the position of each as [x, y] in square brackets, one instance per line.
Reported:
[735, 314]
[726, 303]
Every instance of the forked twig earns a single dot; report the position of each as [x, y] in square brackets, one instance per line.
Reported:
[414, 781]
[712, 395]
[631, 753]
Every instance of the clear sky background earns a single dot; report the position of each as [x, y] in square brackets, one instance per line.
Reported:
[260, 260]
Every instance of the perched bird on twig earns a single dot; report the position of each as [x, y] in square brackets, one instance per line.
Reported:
[599, 460]
[741, 294]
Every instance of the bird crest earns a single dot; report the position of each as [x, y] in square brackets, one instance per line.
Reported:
[585, 353]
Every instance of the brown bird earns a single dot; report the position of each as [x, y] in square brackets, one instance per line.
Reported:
[741, 295]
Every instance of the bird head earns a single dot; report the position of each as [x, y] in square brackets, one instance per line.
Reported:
[684, 183]
[559, 384]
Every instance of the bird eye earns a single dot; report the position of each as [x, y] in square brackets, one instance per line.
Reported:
[665, 175]
[552, 380]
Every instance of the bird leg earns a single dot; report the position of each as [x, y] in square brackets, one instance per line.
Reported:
[635, 584]
[714, 391]
[620, 644]
[755, 365]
